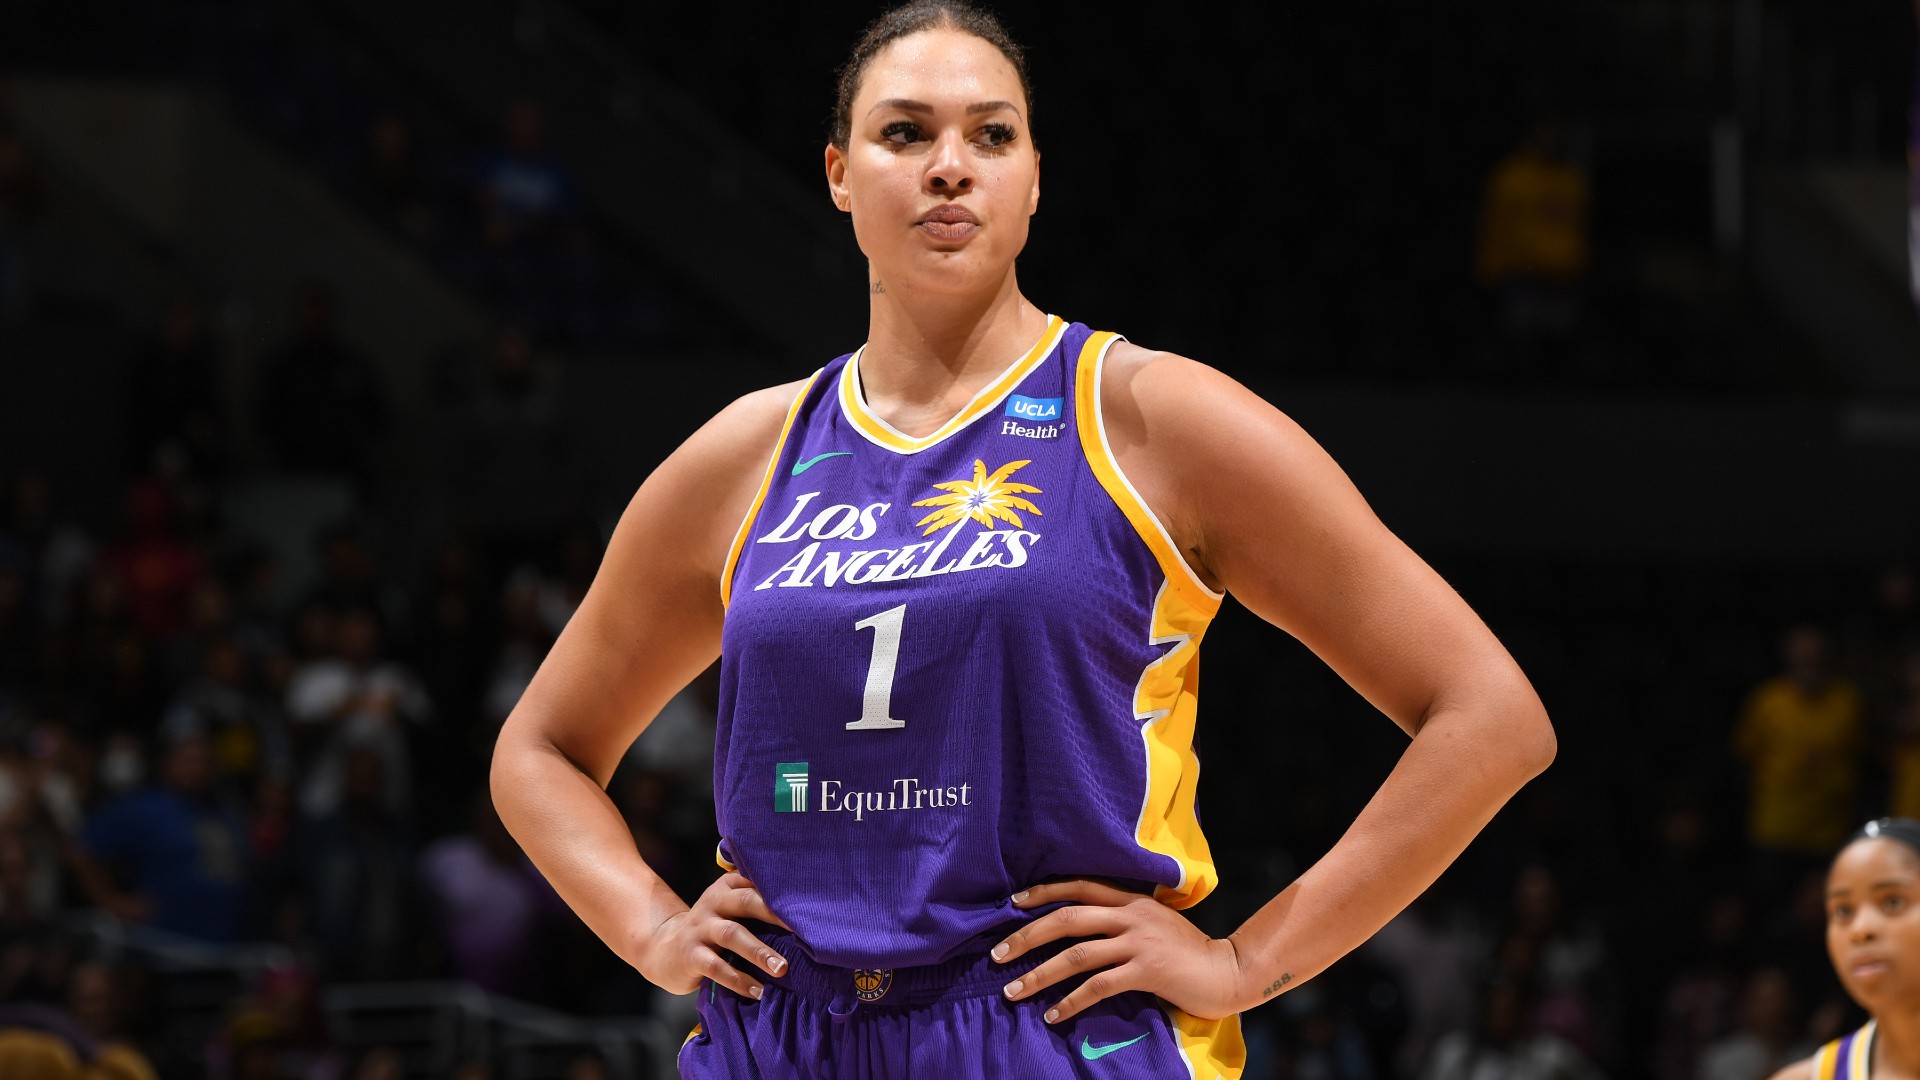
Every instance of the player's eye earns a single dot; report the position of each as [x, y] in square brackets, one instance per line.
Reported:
[996, 136]
[1840, 913]
[901, 132]
[1893, 903]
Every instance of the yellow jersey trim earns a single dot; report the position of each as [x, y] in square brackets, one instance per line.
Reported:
[877, 431]
[759, 497]
[1166, 698]
[1825, 1061]
[1212, 1049]
[1093, 440]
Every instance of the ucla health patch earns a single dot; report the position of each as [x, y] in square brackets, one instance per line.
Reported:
[1036, 410]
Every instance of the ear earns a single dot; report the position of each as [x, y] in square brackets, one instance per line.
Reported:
[1033, 197]
[837, 179]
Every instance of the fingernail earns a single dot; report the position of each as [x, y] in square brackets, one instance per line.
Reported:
[1020, 897]
[1052, 1015]
[776, 963]
[756, 992]
[1013, 988]
[1000, 951]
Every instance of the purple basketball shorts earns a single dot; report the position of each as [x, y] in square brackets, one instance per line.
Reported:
[948, 1021]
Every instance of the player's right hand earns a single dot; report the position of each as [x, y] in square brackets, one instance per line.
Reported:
[685, 949]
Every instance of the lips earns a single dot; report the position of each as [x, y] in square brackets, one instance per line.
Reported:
[949, 221]
[1868, 966]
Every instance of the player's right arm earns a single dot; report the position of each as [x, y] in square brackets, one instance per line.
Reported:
[648, 625]
[1799, 1070]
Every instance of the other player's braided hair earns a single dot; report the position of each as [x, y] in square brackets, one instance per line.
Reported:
[909, 19]
[1905, 830]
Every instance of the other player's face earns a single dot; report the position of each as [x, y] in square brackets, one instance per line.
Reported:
[939, 173]
[1873, 923]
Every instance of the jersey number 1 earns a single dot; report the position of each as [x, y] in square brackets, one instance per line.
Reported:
[877, 701]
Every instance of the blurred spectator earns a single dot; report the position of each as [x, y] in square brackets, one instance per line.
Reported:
[351, 577]
[513, 464]
[1699, 1002]
[1533, 237]
[491, 904]
[248, 732]
[524, 191]
[355, 699]
[172, 855]
[177, 417]
[1562, 956]
[22, 194]
[1433, 954]
[1801, 734]
[1766, 1041]
[57, 550]
[321, 405]
[524, 642]
[1903, 734]
[153, 562]
[1499, 1046]
[359, 862]
[393, 182]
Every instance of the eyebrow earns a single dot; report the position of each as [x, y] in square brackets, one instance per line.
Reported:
[1890, 883]
[912, 106]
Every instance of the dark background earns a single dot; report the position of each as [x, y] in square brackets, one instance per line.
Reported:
[335, 335]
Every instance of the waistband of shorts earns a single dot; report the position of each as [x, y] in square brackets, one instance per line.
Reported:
[971, 974]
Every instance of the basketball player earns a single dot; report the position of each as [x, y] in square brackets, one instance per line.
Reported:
[1873, 936]
[957, 581]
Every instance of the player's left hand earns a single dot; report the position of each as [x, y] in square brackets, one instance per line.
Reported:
[1134, 942]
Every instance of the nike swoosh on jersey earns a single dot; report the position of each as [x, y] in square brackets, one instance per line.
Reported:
[803, 466]
[1095, 1053]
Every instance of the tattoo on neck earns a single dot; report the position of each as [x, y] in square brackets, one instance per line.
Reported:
[876, 289]
[1283, 980]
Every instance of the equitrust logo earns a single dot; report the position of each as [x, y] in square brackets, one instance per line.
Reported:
[795, 792]
[790, 787]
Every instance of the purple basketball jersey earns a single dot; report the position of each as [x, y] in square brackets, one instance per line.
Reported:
[955, 666]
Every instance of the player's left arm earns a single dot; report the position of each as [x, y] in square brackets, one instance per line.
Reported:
[1258, 507]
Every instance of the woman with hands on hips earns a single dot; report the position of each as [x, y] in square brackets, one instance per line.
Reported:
[957, 581]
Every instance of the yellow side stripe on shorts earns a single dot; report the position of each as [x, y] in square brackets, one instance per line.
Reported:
[1212, 1049]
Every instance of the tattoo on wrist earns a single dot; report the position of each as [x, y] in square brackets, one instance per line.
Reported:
[876, 289]
[1283, 980]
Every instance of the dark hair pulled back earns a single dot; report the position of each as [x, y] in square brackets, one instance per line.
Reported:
[910, 19]
[1904, 830]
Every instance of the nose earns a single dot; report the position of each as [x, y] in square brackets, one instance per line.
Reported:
[1864, 927]
[950, 168]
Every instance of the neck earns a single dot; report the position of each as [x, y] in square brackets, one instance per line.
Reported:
[924, 350]
[1896, 1044]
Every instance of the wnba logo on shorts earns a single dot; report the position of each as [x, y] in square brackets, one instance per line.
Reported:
[1035, 408]
[790, 787]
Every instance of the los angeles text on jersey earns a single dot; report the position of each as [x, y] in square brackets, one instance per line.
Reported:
[809, 566]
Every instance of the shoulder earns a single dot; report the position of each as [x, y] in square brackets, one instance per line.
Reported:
[1205, 451]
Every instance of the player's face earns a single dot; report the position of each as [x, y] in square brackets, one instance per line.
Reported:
[940, 173]
[1873, 923]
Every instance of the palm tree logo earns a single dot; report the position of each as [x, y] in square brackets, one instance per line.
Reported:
[986, 499]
